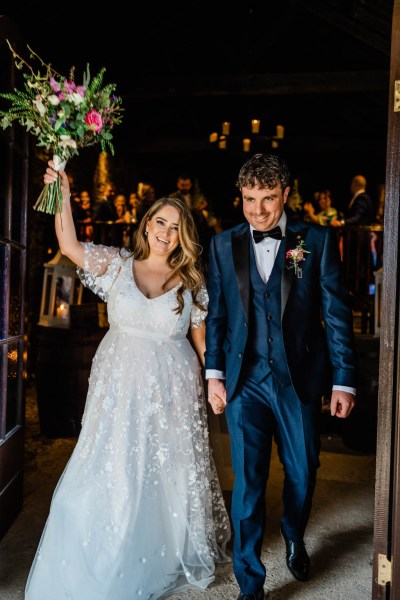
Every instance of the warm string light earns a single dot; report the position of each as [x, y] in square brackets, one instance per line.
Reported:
[223, 138]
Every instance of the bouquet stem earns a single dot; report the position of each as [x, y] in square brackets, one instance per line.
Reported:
[50, 199]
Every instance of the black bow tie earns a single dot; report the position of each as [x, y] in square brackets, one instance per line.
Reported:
[275, 233]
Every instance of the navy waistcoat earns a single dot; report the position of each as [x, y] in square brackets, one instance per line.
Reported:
[265, 350]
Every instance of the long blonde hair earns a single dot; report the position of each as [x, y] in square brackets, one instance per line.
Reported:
[185, 259]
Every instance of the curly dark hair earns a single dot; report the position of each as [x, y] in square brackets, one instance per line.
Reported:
[264, 171]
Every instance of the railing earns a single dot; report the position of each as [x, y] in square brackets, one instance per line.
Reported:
[106, 232]
[361, 249]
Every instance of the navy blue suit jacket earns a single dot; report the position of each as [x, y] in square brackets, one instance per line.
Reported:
[317, 320]
[361, 212]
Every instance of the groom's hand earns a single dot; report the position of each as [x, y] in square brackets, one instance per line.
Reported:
[217, 395]
[342, 403]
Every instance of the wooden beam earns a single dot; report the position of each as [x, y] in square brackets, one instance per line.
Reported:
[370, 28]
[273, 84]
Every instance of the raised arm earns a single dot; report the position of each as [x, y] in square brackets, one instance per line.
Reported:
[64, 223]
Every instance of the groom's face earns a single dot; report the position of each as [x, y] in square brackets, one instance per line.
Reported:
[264, 207]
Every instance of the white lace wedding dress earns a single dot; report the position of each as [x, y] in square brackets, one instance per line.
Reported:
[138, 512]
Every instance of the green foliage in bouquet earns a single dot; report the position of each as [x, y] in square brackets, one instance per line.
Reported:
[62, 115]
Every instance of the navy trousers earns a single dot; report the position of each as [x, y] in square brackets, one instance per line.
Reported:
[257, 414]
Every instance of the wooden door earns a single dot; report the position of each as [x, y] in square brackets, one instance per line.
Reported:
[13, 206]
[386, 566]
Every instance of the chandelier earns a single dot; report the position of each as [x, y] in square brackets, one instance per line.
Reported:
[255, 136]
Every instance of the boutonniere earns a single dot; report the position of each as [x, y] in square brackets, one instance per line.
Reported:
[295, 256]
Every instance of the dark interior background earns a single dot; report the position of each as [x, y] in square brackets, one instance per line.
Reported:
[320, 68]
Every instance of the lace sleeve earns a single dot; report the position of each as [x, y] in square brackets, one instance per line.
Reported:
[197, 315]
[101, 267]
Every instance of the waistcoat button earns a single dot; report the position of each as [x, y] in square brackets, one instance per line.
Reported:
[271, 361]
[269, 317]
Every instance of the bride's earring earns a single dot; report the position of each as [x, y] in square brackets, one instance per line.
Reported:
[146, 233]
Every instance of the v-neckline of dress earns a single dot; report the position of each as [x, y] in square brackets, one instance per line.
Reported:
[140, 291]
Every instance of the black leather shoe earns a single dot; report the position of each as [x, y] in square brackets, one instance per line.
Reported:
[259, 596]
[297, 559]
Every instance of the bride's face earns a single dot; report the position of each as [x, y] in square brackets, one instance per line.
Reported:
[163, 230]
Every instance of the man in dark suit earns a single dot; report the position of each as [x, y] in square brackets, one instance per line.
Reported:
[360, 210]
[279, 330]
[185, 190]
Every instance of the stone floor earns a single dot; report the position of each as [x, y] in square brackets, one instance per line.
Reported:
[339, 536]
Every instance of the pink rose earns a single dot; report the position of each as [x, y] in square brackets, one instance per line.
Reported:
[94, 121]
[296, 254]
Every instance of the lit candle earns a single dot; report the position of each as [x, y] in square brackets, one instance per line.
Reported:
[213, 137]
[274, 144]
[280, 132]
[246, 144]
[226, 126]
[62, 312]
[255, 126]
[222, 142]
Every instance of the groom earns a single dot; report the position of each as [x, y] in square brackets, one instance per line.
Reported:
[279, 331]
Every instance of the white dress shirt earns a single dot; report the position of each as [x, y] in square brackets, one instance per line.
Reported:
[265, 254]
[266, 250]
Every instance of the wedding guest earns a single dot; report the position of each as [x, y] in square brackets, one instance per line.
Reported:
[133, 210]
[206, 224]
[279, 332]
[120, 208]
[85, 214]
[120, 233]
[360, 210]
[147, 195]
[138, 511]
[104, 214]
[326, 212]
[132, 217]
[185, 190]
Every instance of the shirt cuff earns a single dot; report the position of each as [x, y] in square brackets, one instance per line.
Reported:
[214, 374]
[344, 388]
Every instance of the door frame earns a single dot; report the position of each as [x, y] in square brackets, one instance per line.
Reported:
[13, 257]
[386, 560]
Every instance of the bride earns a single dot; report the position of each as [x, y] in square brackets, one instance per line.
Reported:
[138, 511]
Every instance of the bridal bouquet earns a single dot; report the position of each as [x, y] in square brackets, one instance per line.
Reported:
[62, 115]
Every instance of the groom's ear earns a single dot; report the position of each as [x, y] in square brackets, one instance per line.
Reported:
[286, 194]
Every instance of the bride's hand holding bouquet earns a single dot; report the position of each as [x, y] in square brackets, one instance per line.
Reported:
[63, 116]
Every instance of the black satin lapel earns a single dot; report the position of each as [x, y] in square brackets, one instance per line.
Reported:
[241, 260]
[290, 242]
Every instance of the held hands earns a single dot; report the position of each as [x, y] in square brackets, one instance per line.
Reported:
[51, 175]
[217, 395]
[342, 403]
